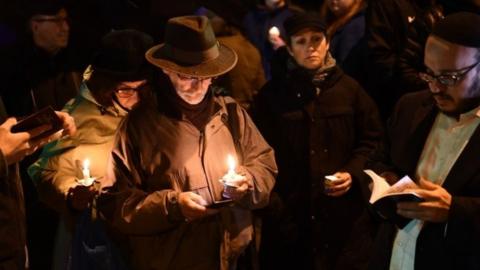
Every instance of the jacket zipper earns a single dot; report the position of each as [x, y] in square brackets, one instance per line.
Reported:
[202, 143]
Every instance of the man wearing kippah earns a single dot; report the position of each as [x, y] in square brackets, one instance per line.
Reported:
[434, 137]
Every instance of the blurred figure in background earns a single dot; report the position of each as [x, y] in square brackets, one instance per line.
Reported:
[396, 33]
[264, 28]
[247, 77]
[42, 68]
[346, 29]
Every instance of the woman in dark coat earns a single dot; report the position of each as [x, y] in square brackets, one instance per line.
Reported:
[320, 122]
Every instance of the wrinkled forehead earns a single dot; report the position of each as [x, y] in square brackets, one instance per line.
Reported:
[442, 55]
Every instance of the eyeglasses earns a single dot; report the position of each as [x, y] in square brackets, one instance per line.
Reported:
[191, 78]
[125, 91]
[58, 20]
[447, 79]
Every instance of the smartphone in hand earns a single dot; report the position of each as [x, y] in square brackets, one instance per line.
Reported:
[220, 204]
[45, 116]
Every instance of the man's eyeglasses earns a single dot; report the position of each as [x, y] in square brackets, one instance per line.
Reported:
[447, 79]
[125, 91]
[189, 78]
[53, 19]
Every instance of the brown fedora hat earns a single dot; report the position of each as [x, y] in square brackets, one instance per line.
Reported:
[191, 49]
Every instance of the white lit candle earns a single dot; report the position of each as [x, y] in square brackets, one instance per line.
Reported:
[231, 178]
[86, 169]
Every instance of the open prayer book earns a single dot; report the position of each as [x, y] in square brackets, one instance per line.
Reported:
[384, 197]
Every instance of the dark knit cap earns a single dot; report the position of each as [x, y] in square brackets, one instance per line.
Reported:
[301, 21]
[462, 28]
[122, 55]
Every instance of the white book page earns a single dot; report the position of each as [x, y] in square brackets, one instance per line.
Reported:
[401, 185]
[380, 186]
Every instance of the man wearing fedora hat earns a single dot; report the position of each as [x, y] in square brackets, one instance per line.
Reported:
[171, 154]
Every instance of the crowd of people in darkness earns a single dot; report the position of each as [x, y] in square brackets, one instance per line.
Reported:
[241, 135]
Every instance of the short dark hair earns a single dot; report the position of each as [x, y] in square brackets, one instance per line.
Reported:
[42, 7]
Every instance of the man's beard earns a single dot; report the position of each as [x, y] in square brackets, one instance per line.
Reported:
[466, 104]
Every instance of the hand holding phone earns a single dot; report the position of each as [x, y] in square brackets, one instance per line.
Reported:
[220, 204]
[44, 117]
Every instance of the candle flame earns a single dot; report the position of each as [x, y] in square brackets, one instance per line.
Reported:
[86, 164]
[231, 164]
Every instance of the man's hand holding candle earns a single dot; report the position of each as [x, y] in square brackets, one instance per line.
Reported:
[236, 185]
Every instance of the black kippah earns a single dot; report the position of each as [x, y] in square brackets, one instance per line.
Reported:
[462, 28]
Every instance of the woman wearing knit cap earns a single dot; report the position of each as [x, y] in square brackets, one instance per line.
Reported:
[114, 83]
[322, 126]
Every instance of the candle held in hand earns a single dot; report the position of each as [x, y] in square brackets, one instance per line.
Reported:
[86, 169]
[274, 31]
[231, 180]
[231, 164]
[231, 177]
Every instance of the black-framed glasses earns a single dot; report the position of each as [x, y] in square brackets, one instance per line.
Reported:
[125, 91]
[447, 79]
[58, 20]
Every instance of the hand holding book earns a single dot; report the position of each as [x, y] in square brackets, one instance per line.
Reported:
[384, 198]
[434, 209]
[405, 200]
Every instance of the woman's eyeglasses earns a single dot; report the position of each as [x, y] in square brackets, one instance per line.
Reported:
[125, 91]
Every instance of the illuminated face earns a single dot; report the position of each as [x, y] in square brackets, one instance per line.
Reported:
[340, 7]
[191, 89]
[127, 93]
[51, 32]
[452, 75]
[308, 48]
